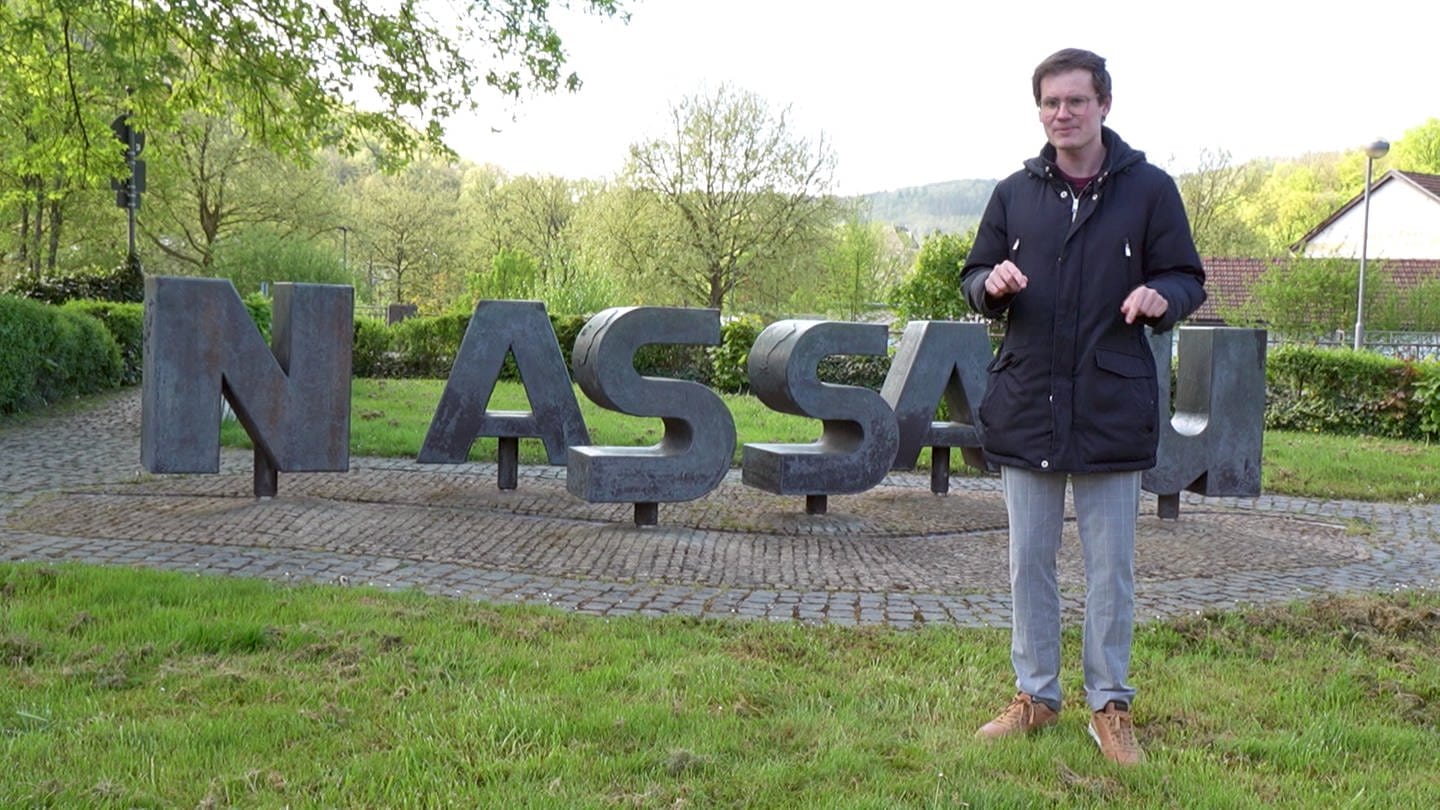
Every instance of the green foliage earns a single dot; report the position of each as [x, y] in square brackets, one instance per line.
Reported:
[48, 354]
[371, 349]
[1344, 392]
[567, 328]
[280, 65]
[126, 324]
[932, 290]
[260, 309]
[738, 188]
[864, 370]
[513, 274]
[426, 346]
[262, 256]
[1305, 298]
[124, 282]
[586, 290]
[1419, 149]
[858, 269]
[728, 362]
[1427, 400]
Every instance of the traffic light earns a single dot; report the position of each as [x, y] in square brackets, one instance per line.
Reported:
[127, 191]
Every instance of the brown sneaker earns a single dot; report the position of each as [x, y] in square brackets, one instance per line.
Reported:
[1115, 734]
[1024, 715]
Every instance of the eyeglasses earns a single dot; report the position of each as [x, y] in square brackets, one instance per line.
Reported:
[1075, 105]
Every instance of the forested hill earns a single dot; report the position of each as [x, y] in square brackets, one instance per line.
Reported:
[953, 206]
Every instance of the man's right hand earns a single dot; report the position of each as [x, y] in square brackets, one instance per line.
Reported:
[1004, 279]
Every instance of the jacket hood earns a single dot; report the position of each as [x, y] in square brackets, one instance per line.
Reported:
[1118, 156]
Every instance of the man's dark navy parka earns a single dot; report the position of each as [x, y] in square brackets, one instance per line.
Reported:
[1072, 387]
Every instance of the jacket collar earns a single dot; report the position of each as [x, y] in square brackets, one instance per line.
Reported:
[1118, 157]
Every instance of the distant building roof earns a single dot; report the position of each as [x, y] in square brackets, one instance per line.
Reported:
[1227, 284]
[1428, 184]
[1228, 281]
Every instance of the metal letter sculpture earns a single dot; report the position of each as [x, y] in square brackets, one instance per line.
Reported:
[200, 343]
[860, 437]
[1213, 443]
[934, 359]
[498, 328]
[699, 442]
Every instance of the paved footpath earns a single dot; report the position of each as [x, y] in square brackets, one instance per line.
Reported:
[71, 488]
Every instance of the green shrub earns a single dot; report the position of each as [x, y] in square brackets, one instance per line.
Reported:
[126, 324]
[1427, 400]
[260, 256]
[932, 291]
[864, 370]
[260, 309]
[48, 354]
[125, 282]
[426, 347]
[1340, 391]
[728, 371]
[567, 328]
[370, 356]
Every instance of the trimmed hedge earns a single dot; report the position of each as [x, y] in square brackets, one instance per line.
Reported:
[126, 323]
[1346, 392]
[48, 354]
[425, 347]
[124, 283]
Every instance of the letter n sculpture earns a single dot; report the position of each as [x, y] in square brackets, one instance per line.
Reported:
[292, 397]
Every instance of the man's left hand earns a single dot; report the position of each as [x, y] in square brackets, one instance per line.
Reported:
[1143, 302]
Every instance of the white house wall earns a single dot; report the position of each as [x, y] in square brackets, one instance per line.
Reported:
[1404, 224]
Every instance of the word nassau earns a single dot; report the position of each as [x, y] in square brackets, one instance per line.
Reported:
[293, 398]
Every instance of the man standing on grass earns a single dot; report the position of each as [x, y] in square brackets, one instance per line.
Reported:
[1077, 252]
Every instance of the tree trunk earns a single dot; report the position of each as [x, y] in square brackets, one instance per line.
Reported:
[24, 253]
[56, 218]
[38, 232]
[717, 289]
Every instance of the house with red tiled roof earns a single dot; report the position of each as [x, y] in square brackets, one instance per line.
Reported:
[1227, 286]
[1404, 222]
[1403, 243]
[1228, 281]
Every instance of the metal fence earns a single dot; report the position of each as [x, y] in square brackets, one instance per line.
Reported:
[1400, 345]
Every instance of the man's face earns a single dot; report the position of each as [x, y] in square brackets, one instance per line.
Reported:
[1070, 111]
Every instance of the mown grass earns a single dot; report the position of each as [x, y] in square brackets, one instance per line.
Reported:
[129, 688]
[390, 418]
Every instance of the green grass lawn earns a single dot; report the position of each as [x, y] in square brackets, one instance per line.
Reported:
[129, 688]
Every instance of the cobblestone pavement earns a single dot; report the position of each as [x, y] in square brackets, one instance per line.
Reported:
[71, 488]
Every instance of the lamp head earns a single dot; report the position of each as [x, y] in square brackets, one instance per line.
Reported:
[1377, 148]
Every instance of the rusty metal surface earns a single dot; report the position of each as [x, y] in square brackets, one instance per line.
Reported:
[695, 451]
[294, 401]
[859, 437]
[498, 328]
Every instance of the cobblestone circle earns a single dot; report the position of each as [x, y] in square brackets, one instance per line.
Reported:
[71, 488]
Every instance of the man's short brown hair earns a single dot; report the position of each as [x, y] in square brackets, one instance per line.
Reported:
[1069, 59]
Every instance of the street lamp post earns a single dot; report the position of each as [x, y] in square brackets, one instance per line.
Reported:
[1373, 152]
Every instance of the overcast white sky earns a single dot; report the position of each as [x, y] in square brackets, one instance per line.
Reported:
[910, 92]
